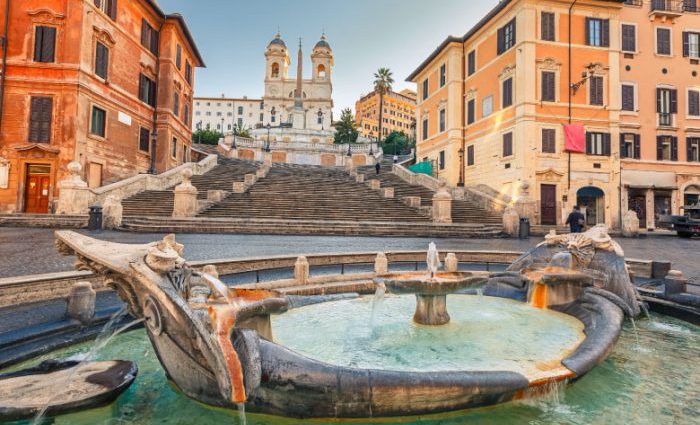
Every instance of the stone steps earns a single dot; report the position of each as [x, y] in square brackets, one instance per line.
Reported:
[44, 220]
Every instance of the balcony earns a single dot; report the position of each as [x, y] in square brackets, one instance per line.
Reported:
[667, 8]
[665, 120]
[634, 2]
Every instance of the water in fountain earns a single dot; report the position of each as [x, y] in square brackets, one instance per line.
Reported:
[105, 336]
[377, 302]
[218, 285]
[241, 413]
[433, 259]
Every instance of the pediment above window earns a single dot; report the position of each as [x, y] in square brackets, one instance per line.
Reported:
[46, 16]
[104, 37]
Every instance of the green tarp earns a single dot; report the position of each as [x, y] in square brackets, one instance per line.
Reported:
[423, 168]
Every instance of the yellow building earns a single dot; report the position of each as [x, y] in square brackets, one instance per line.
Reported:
[399, 113]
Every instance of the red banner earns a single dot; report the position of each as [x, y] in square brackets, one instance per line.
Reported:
[575, 137]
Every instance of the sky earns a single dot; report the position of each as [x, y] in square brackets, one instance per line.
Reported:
[364, 34]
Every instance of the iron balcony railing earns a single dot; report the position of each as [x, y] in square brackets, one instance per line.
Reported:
[665, 119]
[674, 6]
[634, 2]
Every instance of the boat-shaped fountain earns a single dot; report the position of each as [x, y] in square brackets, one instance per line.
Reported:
[217, 343]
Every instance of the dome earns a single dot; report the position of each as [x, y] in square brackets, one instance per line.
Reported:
[277, 41]
[322, 43]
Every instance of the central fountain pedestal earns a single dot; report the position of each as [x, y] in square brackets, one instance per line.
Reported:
[431, 291]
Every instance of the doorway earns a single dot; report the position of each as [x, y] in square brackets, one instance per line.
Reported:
[637, 202]
[691, 195]
[548, 204]
[37, 189]
[95, 175]
[591, 200]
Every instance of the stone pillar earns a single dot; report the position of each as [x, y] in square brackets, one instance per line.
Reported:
[381, 264]
[451, 263]
[525, 205]
[651, 223]
[215, 195]
[250, 179]
[375, 184]
[511, 222]
[675, 283]
[387, 192]
[239, 187]
[262, 172]
[81, 302]
[4, 173]
[411, 201]
[630, 224]
[112, 213]
[74, 194]
[360, 178]
[442, 205]
[267, 158]
[185, 204]
[301, 270]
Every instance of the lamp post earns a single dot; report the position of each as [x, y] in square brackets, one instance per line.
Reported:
[320, 117]
[233, 146]
[267, 145]
[349, 137]
[199, 132]
[371, 152]
[460, 152]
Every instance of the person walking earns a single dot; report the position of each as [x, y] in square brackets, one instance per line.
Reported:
[378, 167]
[396, 159]
[576, 220]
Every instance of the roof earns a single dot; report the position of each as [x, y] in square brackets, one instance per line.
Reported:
[324, 44]
[502, 4]
[183, 25]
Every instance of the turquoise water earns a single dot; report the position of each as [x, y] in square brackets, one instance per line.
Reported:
[650, 378]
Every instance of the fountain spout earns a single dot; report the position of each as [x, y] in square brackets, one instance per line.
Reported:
[433, 260]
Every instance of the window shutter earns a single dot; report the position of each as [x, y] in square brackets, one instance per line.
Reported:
[693, 103]
[40, 117]
[627, 98]
[629, 42]
[637, 146]
[588, 31]
[686, 44]
[674, 148]
[606, 144]
[113, 9]
[38, 36]
[144, 33]
[44, 44]
[659, 148]
[501, 40]
[674, 102]
[659, 96]
[513, 23]
[155, 37]
[589, 143]
[152, 94]
[623, 148]
[688, 149]
[605, 33]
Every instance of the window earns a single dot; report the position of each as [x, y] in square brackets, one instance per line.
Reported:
[507, 145]
[470, 155]
[178, 57]
[507, 99]
[598, 144]
[262, 117]
[629, 38]
[184, 153]
[630, 146]
[44, 44]
[144, 139]
[97, 126]
[149, 37]
[628, 98]
[690, 6]
[176, 103]
[693, 147]
[596, 91]
[186, 114]
[667, 148]
[442, 160]
[666, 105]
[218, 114]
[425, 89]
[173, 148]
[188, 72]
[471, 111]
[471, 62]
[442, 120]
[506, 37]
[239, 121]
[691, 45]
[487, 106]
[40, 118]
[240, 110]
[597, 32]
[694, 103]
[663, 41]
[101, 60]
[425, 128]
[443, 75]
[548, 26]
[549, 140]
[549, 86]
[108, 6]
[147, 90]
[273, 118]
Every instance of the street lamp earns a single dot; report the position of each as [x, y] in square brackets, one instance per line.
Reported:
[349, 137]
[371, 152]
[460, 152]
[267, 145]
[235, 131]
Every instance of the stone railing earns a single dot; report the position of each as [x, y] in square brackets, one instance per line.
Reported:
[280, 145]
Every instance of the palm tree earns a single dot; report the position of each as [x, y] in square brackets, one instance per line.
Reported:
[383, 79]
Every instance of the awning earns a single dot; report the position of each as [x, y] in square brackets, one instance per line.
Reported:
[649, 179]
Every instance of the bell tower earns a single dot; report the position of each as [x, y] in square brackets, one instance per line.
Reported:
[322, 61]
[276, 60]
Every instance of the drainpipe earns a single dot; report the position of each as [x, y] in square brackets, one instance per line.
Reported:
[4, 60]
[154, 135]
[571, 7]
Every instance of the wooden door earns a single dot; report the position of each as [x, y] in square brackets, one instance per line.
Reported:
[95, 175]
[37, 189]
[548, 204]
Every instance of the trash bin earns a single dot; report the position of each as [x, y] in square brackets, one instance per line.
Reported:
[95, 220]
[524, 231]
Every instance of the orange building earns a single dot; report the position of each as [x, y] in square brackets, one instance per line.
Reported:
[90, 81]
[493, 104]
[399, 113]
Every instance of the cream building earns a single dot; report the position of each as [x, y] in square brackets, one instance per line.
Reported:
[211, 112]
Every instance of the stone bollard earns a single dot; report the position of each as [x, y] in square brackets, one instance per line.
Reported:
[261, 172]
[511, 222]
[442, 205]
[411, 201]
[239, 187]
[301, 270]
[381, 264]
[451, 263]
[630, 224]
[112, 211]
[73, 192]
[525, 205]
[375, 184]
[215, 195]
[387, 192]
[250, 179]
[675, 283]
[81, 302]
[360, 178]
[267, 158]
[185, 204]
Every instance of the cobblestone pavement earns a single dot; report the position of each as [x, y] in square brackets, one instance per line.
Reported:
[31, 251]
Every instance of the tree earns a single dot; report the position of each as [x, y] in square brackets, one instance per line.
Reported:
[206, 137]
[242, 131]
[346, 126]
[398, 142]
[383, 80]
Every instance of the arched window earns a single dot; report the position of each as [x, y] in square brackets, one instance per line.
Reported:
[275, 70]
[322, 71]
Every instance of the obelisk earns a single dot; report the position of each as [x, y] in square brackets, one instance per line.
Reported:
[298, 112]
